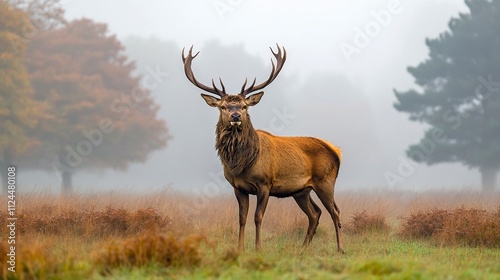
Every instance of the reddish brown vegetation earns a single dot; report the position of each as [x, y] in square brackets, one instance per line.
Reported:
[461, 226]
[424, 223]
[362, 222]
[49, 219]
[151, 246]
[56, 235]
[4, 250]
[36, 260]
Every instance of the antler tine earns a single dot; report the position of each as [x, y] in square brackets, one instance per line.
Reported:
[243, 86]
[213, 84]
[190, 75]
[190, 53]
[276, 68]
[278, 52]
[272, 70]
[222, 84]
[278, 55]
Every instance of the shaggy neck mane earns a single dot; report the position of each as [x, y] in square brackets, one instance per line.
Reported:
[238, 148]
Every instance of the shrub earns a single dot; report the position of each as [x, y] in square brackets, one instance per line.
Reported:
[362, 222]
[462, 226]
[151, 247]
[4, 250]
[38, 261]
[472, 227]
[111, 221]
[424, 223]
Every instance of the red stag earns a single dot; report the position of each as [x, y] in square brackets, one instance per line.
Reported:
[259, 163]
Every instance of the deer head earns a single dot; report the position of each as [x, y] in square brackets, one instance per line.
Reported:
[233, 107]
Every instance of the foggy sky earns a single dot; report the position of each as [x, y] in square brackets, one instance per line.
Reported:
[357, 103]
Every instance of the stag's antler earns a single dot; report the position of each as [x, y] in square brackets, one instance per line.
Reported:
[280, 61]
[189, 74]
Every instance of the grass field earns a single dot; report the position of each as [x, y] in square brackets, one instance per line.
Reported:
[171, 236]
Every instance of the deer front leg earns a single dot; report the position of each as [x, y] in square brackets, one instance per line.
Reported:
[243, 202]
[262, 199]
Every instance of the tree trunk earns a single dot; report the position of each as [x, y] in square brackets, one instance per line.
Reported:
[488, 178]
[4, 164]
[66, 183]
[3, 176]
[66, 176]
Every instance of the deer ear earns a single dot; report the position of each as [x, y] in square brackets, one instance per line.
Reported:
[254, 98]
[211, 101]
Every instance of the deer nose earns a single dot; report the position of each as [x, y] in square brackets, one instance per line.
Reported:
[235, 116]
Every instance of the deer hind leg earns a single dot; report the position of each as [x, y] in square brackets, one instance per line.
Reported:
[312, 210]
[337, 212]
[325, 194]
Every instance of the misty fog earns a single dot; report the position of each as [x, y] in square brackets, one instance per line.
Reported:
[323, 90]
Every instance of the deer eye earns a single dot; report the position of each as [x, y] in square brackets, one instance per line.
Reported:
[244, 107]
[223, 108]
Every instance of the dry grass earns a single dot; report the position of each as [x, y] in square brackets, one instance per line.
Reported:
[424, 223]
[111, 221]
[362, 222]
[56, 234]
[461, 226]
[149, 247]
[38, 259]
[4, 250]
[472, 227]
